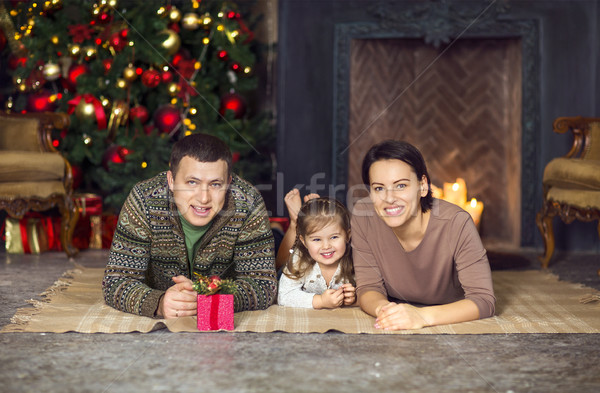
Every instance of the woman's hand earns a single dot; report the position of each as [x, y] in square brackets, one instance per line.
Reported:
[393, 316]
[349, 294]
[331, 298]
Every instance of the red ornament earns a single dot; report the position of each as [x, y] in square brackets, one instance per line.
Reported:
[166, 118]
[40, 102]
[139, 112]
[235, 157]
[88, 98]
[107, 64]
[104, 17]
[14, 62]
[118, 40]
[151, 78]
[75, 72]
[233, 102]
[166, 77]
[115, 154]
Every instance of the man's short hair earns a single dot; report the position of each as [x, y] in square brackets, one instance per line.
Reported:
[200, 147]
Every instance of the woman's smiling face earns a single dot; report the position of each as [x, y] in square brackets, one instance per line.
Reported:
[395, 191]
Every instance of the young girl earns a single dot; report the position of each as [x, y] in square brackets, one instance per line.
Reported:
[319, 272]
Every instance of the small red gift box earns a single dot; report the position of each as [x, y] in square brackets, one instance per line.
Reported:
[215, 312]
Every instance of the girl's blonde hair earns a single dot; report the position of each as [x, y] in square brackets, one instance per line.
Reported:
[315, 215]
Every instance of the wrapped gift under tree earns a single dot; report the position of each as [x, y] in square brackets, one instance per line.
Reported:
[25, 236]
[88, 232]
[215, 302]
[32, 234]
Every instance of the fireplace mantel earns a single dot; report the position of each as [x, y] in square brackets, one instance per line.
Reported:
[440, 24]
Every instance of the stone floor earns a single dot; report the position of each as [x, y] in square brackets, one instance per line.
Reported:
[283, 362]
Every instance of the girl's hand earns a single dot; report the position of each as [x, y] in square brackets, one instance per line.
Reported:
[395, 316]
[331, 298]
[349, 294]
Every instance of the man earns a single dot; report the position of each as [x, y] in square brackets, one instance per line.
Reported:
[196, 217]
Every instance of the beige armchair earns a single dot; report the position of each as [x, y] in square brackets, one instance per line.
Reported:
[572, 183]
[33, 174]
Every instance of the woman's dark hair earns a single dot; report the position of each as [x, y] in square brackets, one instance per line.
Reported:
[403, 151]
[200, 147]
[313, 216]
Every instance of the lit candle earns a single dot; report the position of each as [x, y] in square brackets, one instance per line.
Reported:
[456, 192]
[437, 192]
[474, 208]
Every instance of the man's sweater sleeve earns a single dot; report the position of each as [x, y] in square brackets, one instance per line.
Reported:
[123, 284]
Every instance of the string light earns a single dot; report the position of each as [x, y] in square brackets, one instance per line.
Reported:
[144, 164]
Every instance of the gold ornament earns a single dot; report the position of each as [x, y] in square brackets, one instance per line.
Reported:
[51, 71]
[85, 111]
[172, 43]
[174, 14]
[121, 83]
[119, 115]
[173, 88]
[129, 73]
[74, 50]
[190, 21]
[206, 20]
[89, 52]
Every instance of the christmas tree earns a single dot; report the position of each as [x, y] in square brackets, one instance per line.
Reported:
[136, 77]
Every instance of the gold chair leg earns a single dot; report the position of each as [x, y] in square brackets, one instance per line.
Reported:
[544, 224]
[70, 216]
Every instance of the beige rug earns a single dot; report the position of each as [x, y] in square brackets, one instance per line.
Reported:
[527, 302]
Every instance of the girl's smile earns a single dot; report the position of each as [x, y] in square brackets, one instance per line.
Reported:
[326, 245]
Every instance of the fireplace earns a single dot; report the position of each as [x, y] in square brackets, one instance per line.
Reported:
[466, 99]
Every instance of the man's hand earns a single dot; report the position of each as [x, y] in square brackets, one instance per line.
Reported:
[179, 300]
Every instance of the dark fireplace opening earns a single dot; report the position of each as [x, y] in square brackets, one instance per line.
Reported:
[460, 104]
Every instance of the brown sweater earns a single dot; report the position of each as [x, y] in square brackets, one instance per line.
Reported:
[449, 264]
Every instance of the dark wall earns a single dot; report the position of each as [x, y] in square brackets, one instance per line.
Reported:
[569, 86]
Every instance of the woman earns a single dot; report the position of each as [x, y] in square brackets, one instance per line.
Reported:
[411, 248]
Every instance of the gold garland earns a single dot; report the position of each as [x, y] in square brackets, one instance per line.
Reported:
[7, 25]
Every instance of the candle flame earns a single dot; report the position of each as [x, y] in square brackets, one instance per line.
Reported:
[473, 202]
[455, 187]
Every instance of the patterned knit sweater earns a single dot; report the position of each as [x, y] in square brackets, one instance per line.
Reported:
[148, 249]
